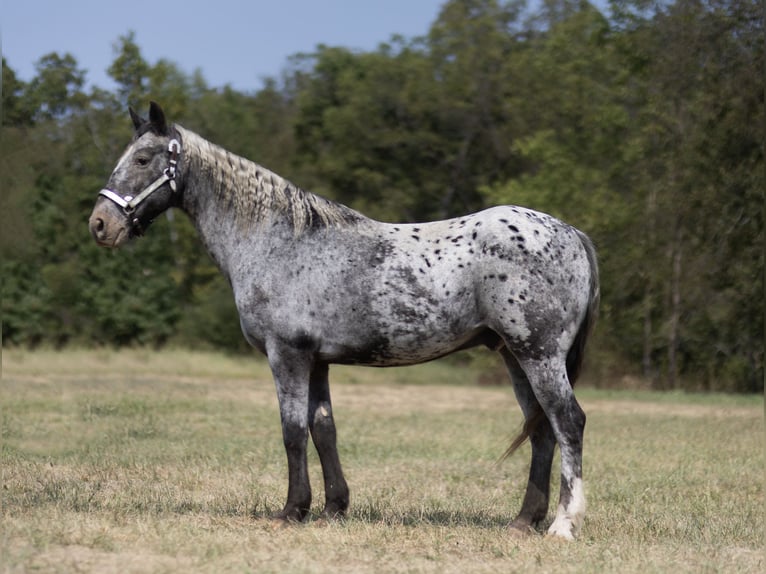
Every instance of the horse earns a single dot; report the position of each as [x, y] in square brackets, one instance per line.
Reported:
[318, 283]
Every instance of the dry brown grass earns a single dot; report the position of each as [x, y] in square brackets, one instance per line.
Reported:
[171, 462]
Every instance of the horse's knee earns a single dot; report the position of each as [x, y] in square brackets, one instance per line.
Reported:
[322, 425]
[294, 436]
[322, 416]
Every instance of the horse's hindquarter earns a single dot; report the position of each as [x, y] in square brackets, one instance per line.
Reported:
[388, 294]
[535, 280]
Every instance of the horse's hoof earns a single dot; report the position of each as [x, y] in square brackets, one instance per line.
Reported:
[282, 520]
[563, 529]
[556, 532]
[521, 530]
[321, 522]
[333, 516]
[278, 523]
[327, 518]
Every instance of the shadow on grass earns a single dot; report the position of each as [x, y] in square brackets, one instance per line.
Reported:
[402, 517]
[76, 492]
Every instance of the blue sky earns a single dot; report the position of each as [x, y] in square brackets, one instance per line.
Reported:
[235, 42]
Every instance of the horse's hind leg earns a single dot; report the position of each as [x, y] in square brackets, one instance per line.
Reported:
[535, 505]
[550, 384]
[323, 433]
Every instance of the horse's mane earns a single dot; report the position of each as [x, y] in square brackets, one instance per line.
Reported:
[255, 194]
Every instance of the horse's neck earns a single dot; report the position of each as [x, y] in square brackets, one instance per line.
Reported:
[221, 191]
[233, 201]
[215, 175]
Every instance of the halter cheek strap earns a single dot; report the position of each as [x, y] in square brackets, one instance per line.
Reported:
[128, 203]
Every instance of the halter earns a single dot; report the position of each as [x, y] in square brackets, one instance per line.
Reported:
[129, 203]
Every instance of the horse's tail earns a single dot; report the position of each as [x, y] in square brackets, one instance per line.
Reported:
[576, 352]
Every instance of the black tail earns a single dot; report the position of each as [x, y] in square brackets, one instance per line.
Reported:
[576, 352]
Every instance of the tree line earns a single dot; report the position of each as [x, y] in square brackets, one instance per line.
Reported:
[642, 126]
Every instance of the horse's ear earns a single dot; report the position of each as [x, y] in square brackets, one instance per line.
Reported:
[138, 121]
[157, 119]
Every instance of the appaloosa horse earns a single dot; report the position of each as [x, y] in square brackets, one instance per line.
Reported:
[316, 282]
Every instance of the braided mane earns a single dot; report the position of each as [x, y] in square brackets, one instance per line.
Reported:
[255, 194]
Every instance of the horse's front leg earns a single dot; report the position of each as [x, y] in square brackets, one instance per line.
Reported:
[323, 433]
[291, 370]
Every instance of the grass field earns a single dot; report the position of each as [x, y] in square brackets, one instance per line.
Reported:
[171, 462]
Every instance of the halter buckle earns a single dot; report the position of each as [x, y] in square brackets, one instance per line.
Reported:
[173, 147]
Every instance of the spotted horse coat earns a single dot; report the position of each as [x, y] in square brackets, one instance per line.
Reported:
[316, 283]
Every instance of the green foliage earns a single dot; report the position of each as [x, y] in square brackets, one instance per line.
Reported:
[129, 69]
[643, 128]
[25, 303]
[16, 112]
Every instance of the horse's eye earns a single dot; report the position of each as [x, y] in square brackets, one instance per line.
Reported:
[142, 161]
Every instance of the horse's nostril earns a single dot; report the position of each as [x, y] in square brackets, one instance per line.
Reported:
[99, 224]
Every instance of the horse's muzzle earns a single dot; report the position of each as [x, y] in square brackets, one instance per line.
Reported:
[108, 225]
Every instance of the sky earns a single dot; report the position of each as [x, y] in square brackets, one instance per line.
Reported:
[233, 42]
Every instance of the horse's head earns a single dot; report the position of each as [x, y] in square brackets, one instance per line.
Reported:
[144, 183]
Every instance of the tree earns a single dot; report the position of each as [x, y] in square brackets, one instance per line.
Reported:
[644, 129]
[702, 62]
[16, 111]
[57, 88]
[412, 130]
[129, 70]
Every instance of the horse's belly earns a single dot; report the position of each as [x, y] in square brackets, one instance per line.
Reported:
[403, 345]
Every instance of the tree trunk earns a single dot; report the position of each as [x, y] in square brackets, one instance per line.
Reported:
[646, 358]
[675, 307]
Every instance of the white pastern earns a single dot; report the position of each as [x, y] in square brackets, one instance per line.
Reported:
[569, 519]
